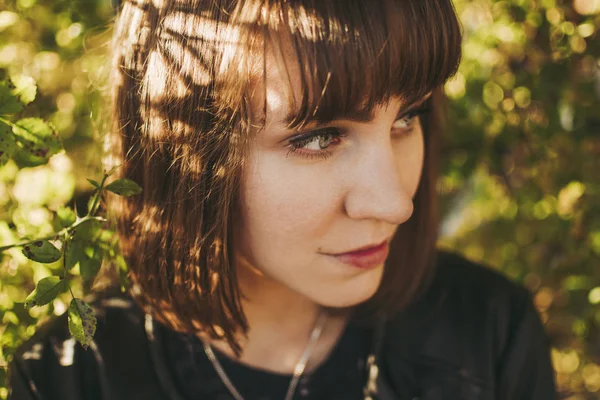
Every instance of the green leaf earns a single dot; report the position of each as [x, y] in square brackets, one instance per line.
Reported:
[8, 145]
[42, 251]
[91, 202]
[38, 138]
[107, 236]
[66, 216]
[124, 187]
[83, 250]
[90, 262]
[25, 88]
[46, 290]
[94, 183]
[107, 242]
[74, 253]
[88, 230]
[9, 103]
[24, 159]
[121, 265]
[82, 322]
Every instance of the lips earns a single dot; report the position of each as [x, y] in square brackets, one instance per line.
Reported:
[367, 258]
[364, 248]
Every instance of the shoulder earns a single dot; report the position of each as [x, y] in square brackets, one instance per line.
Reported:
[52, 365]
[466, 297]
[464, 329]
[459, 278]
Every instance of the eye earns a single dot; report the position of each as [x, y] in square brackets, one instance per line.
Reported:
[403, 123]
[408, 120]
[316, 144]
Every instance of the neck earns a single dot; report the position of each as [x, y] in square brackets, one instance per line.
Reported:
[280, 324]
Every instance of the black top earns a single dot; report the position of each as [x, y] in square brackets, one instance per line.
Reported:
[196, 377]
[475, 335]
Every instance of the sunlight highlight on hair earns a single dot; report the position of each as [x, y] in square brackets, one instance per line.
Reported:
[183, 74]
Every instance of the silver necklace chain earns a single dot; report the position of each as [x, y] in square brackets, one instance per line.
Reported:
[298, 369]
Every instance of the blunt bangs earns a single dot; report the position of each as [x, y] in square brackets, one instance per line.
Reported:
[353, 54]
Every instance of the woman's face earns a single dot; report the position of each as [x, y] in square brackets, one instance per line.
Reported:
[333, 195]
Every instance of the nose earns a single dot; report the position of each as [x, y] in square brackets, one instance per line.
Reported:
[380, 186]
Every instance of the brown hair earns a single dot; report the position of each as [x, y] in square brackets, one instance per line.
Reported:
[181, 75]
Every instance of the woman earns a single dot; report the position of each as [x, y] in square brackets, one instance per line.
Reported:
[284, 244]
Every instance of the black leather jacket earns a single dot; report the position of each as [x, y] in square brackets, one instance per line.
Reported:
[474, 336]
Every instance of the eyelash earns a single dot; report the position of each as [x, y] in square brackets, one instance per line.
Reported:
[296, 144]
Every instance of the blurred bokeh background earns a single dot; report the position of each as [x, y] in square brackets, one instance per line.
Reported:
[520, 183]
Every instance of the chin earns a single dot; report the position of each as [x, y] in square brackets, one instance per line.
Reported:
[347, 302]
[353, 293]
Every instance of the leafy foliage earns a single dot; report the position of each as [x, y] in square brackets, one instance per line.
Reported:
[80, 240]
[32, 143]
[520, 177]
[46, 290]
[42, 251]
[124, 187]
[520, 183]
[51, 65]
[82, 322]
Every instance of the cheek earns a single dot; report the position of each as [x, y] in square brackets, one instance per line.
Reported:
[283, 206]
[411, 156]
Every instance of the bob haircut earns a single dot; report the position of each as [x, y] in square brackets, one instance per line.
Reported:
[182, 75]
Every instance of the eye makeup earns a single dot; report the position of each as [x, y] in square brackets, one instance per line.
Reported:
[325, 138]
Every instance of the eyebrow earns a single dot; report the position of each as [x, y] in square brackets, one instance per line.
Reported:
[355, 116]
